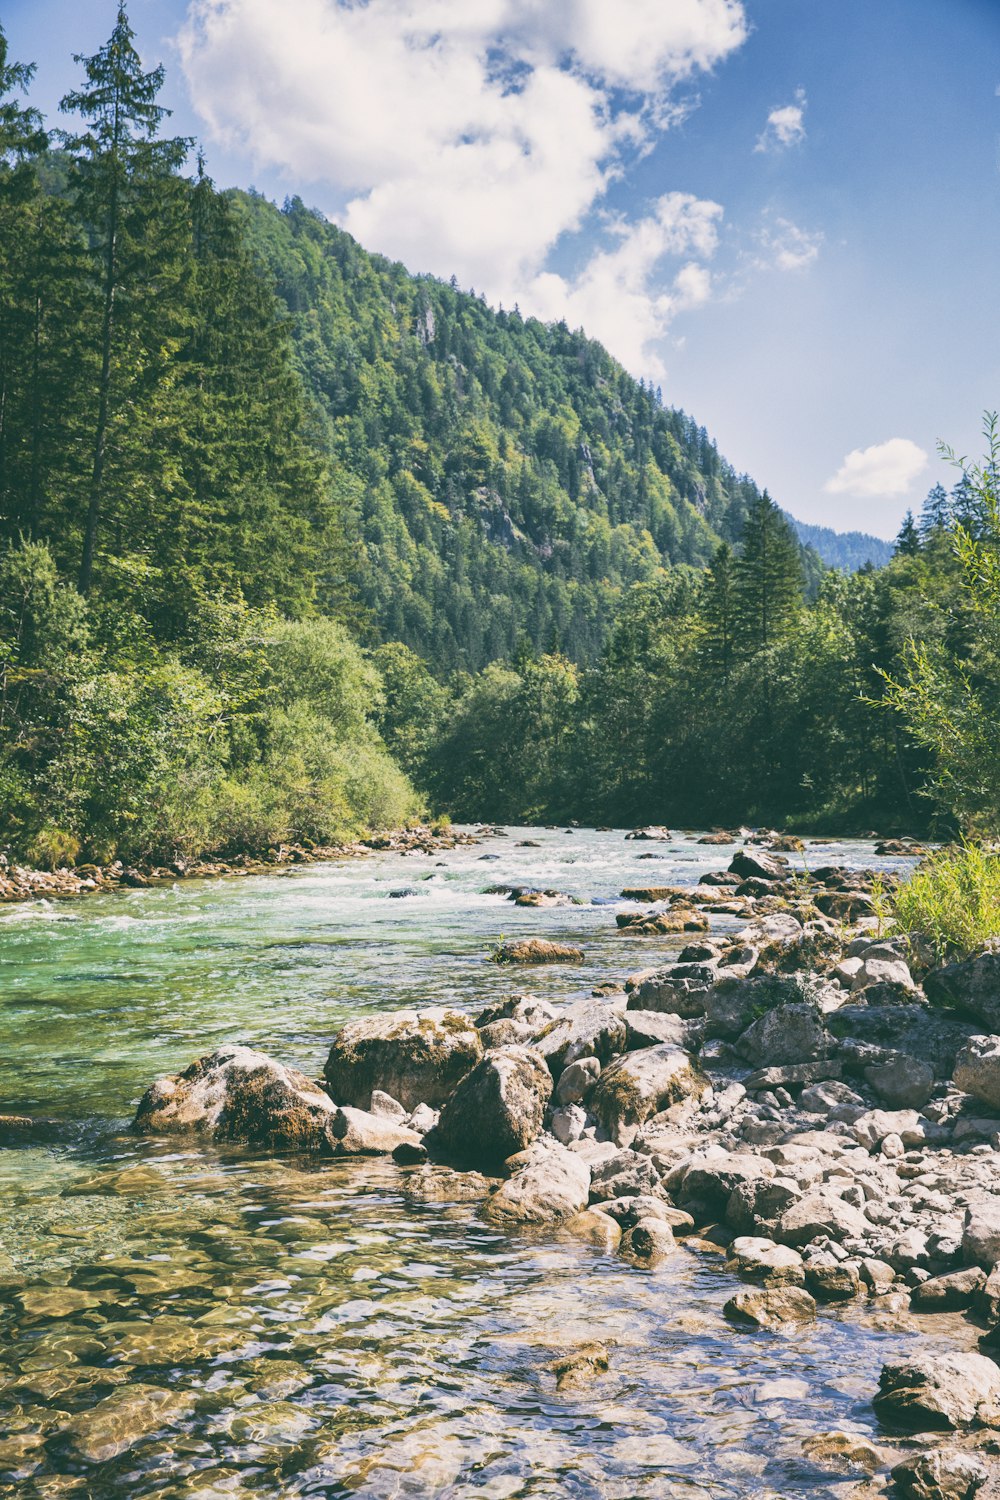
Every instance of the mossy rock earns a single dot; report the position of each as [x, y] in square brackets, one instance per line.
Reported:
[418, 1057]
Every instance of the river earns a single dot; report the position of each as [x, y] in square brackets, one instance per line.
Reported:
[181, 1321]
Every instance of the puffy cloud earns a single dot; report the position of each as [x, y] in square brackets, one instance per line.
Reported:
[785, 126]
[883, 470]
[619, 296]
[787, 247]
[464, 136]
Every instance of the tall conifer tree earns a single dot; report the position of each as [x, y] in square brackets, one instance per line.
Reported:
[719, 612]
[769, 577]
[908, 539]
[131, 200]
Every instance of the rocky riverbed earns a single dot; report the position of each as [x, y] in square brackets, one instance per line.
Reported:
[25, 883]
[789, 1097]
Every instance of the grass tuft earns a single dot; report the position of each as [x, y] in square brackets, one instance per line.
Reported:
[952, 901]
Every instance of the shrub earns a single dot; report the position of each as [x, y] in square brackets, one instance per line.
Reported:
[952, 901]
[52, 848]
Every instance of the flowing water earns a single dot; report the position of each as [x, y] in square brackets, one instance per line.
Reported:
[179, 1320]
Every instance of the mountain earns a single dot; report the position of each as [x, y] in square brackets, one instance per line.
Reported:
[846, 550]
[502, 481]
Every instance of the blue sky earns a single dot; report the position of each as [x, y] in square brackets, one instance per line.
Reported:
[783, 212]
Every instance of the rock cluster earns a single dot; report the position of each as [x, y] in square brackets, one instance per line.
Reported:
[789, 1090]
[20, 883]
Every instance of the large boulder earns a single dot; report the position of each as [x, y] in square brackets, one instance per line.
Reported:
[901, 1081]
[651, 1028]
[238, 1094]
[790, 1034]
[941, 1474]
[419, 1057]
[757, 1203]
[627, 1174]
[678, 990]
[977, 1069]
[940, 1392]
[951, 1293]
[972, 986]
[589, 1028]
[548, 1183]
[820, 1214]
[635, 1087]
[754, 864]
[876, 1033]
[710, 1181]
[757, 1259]
[981, 1233]
[497, 1109]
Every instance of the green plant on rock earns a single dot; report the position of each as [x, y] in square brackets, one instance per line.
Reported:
[496, 952]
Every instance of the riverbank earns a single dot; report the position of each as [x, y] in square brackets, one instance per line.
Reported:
[23, 883]
[595, 1276]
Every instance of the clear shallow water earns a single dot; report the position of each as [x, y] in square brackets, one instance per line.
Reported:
[285, 1328]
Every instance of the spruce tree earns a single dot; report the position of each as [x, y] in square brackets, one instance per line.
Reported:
[718, 608]
[249, 505]
[966, 507]
[936, 511]
[127, 193]
[908, 538]
[768, 577]
[22, 139]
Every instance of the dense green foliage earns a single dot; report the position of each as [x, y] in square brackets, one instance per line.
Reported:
[732, 697]
[948, 687]
[504, 480]
[163, 505]
[286, 532]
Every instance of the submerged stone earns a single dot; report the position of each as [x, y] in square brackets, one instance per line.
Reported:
[125, 1418]
[770, 1308]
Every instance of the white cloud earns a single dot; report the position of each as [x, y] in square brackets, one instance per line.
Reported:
[883, 470]
[785, 126]
[465, 136]
[619, 296]
[786, 247]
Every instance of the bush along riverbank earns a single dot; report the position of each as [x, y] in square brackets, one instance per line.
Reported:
[23, 883]
[806, 1096]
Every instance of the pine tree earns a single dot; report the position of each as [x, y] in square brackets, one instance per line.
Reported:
[936, 511]
[248, 506]
[128, 195]
[966, 506]
[718, 612]
[908, 539]
[22, 139]
[768, 577]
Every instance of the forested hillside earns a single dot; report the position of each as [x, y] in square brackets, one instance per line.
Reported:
[294, 544]
[504, 480]
[846, 550]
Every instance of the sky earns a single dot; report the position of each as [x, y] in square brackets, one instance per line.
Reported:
[784, 213]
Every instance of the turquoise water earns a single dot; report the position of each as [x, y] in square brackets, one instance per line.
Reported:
[177, 1320]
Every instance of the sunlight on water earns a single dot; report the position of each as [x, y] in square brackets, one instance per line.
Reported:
[182, 1321]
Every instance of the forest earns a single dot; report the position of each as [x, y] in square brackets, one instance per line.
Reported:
[294, 544]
